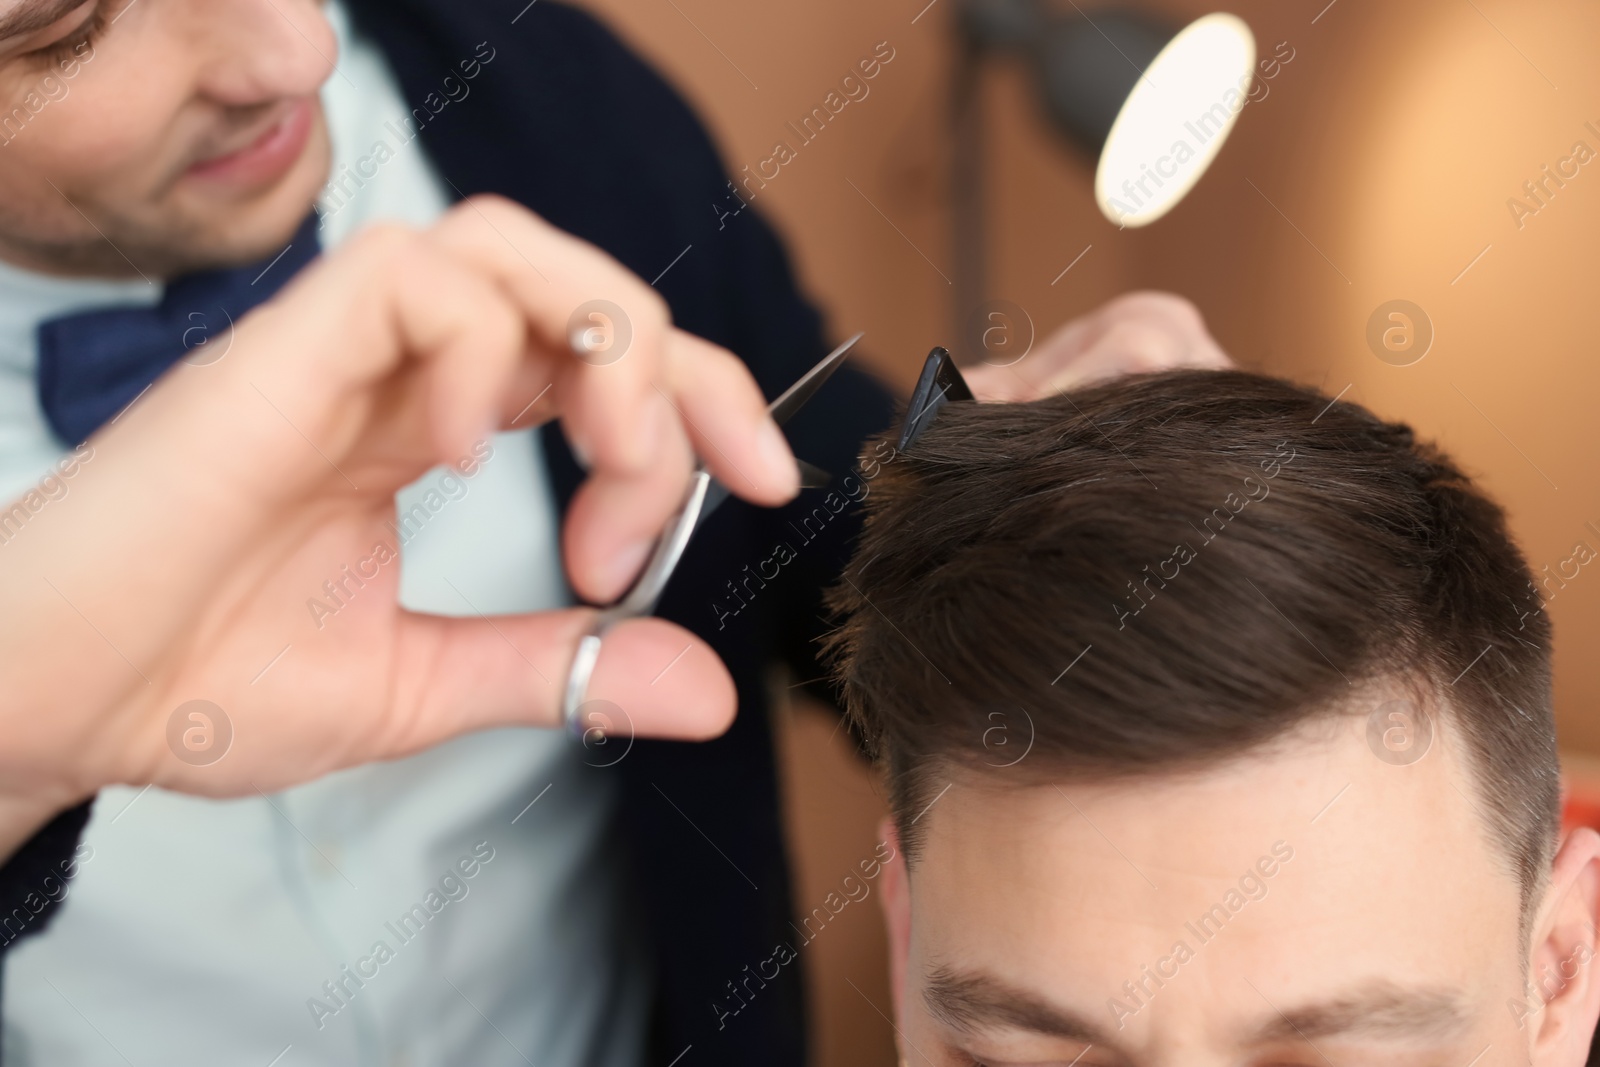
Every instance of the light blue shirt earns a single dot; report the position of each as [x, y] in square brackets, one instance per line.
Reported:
[202, 932]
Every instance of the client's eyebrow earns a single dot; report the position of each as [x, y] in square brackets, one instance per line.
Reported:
[969, 1001]
[1378, 1008]
[972, 1000]
[28, 15]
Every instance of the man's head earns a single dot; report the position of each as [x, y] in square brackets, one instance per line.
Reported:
[154, 136]
[1216, 721]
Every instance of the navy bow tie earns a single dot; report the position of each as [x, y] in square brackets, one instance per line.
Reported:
[93, 363]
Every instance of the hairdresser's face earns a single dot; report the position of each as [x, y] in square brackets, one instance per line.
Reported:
[1316, 908]
[152, 136]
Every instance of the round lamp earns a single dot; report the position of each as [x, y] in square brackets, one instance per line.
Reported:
[1153, 104]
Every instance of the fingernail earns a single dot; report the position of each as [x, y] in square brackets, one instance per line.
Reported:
[776, 456]
[625, 566]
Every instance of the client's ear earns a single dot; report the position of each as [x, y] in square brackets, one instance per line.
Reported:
[1563, 1000]
[896, 901]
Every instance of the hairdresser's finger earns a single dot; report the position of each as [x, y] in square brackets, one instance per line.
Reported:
[1138, 333]
[664, 681]
[668, 682]
[600, 334]
[1129, 347]
[622, 379]
[567, 287]
[616, 516]
[710, 403]
[726, 418]
[472, 339]
[295, 366]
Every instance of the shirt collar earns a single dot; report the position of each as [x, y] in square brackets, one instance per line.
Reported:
[28, 298]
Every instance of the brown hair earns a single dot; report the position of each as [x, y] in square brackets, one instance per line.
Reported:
[1236, 553]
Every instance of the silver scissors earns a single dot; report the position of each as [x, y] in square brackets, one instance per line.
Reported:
[705, 495]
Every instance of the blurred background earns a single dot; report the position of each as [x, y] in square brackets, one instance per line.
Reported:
[1380, 166]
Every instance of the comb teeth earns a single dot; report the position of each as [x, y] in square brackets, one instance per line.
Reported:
[939, 384]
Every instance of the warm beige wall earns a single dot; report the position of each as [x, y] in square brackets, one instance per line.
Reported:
[889, 145]
[1389, 146]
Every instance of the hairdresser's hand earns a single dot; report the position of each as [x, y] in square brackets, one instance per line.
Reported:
[1133, 334]
[180, 564]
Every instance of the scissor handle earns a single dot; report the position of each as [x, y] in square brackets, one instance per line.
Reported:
[583, 662]
[640, 598]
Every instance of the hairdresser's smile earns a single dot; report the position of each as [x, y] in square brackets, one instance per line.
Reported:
[269, 148]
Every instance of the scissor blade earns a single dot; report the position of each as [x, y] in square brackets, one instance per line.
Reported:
[716, 496]
[813, 476]
[794, 398]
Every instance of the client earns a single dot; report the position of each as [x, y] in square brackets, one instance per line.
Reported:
[1216, 722]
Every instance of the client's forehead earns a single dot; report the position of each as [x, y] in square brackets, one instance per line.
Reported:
[1318, 865]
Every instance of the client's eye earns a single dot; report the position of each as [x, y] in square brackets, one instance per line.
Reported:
[85, 33]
